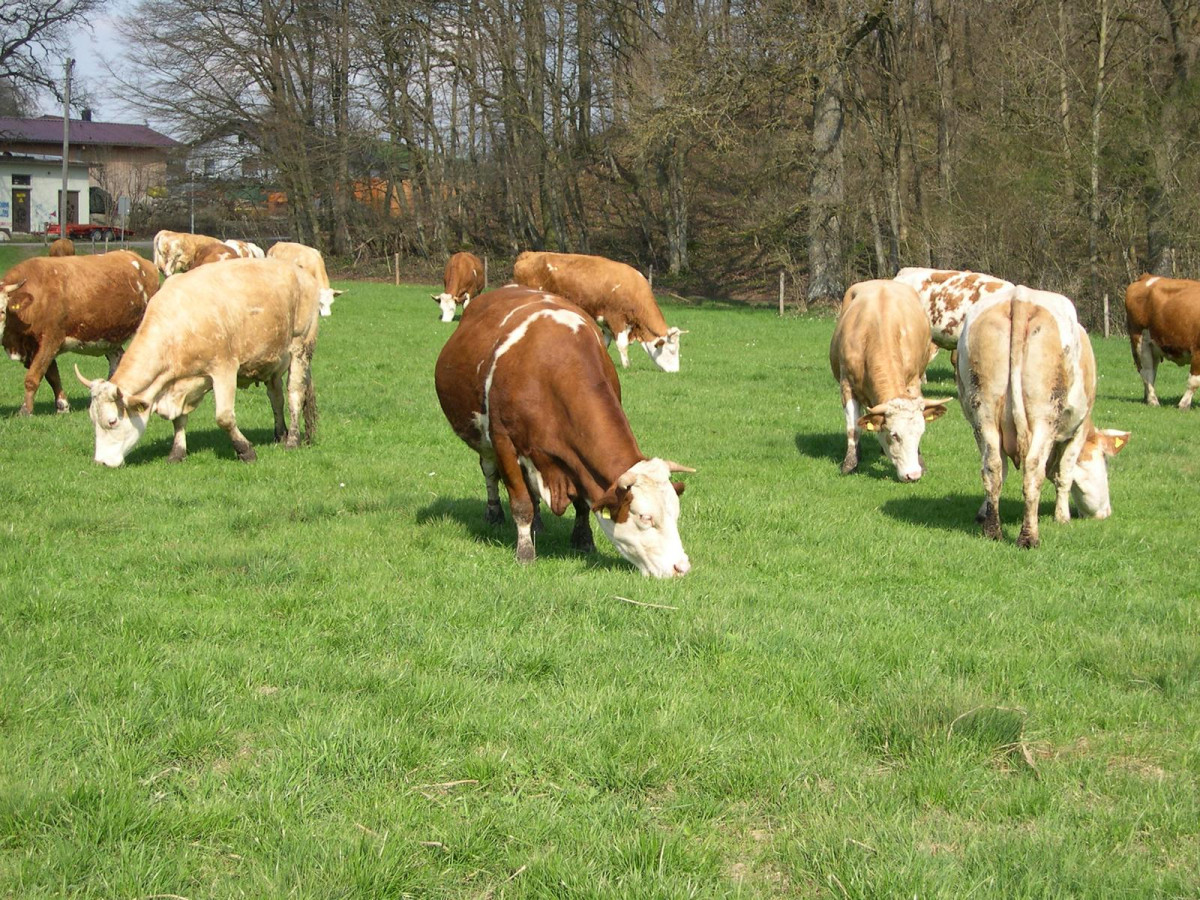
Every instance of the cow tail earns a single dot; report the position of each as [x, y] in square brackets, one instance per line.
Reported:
[310, 402]
[1018, 334]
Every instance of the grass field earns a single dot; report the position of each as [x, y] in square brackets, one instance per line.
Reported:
[322, 676]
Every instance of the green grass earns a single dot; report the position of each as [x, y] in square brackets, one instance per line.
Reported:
[322, 676]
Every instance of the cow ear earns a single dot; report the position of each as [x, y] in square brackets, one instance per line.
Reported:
[614, 504]
[1111, 441]
[934, 412]
[871, 422]
[679, 486]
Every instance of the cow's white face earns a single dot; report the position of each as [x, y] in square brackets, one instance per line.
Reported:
[446, 302]
[665, 350]
[643, 522]
[1089, 480]
[899, 424]
[326, 298]
[118, 427]
[5, 291]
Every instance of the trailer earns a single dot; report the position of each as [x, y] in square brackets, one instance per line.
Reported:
[90, 232]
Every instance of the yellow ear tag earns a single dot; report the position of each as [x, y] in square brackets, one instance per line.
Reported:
[870, 426]
[604, 513]
[1119, 443]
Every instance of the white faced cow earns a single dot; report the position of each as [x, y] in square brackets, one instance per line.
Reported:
[462, 280]
[1027, 383]
[525, 381]
[878, 355]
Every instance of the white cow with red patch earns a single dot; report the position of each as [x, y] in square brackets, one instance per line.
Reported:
[947, 295]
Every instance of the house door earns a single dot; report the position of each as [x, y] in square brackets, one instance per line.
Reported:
[20, 210]
[72, 206]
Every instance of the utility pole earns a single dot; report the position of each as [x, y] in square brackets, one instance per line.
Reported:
[62, 198]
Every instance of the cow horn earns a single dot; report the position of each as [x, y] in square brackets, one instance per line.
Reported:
[877, 410]
[87, 384]
[13, 288]
[929, 403]
[673, 466]
[627, 480]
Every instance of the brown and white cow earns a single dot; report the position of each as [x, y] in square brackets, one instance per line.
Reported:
[1027, 384]
[525, 381]
[245, 249]
[462, 280]
[614, 294]
[211, 253]
[61, 247]
[175, 251]
[214, 328]
[878, 354]
[1163, 319]
[311, 261]
[80, 304]
[947, 295]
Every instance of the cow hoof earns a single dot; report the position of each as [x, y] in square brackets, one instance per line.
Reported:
[62, 407]
[583, 544]
[176, 456]
[246, 454]
[992, 533]
[1153, 401]
[1187, 405]
[291, 442]
[24, 411]
[848, 466]
[493, 515]
[526, 555]
[1027, 541]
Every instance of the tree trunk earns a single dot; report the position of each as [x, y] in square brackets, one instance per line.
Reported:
[825, 192]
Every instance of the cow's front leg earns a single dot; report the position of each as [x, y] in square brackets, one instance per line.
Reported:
[623, 347]
[1193, 381]
[1063, 469]
[114, 360]
[38, 365]
[179, 444]
[52, 378]
[1147, 367]
[224, 389]
[581, 534]
[275, 393]
[494, 514]
[850, 461]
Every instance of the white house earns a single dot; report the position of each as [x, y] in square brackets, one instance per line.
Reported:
[29, 190]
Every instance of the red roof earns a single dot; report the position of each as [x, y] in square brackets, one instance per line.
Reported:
[49, 129]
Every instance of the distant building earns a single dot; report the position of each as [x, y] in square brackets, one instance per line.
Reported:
[30, 188]
[122, 160]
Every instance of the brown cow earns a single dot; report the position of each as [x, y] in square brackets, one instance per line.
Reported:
[62, 247]
[463, 279]
[526, 383]
[1169, 310]
[878, 353]
[311, 261]
[82, 304]
[1027, 384]
[614, 294]
[240, 322]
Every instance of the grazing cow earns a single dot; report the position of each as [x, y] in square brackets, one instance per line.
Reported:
[1163, 319]
[463, 279]
[211, 253]
[1027, 383]
[946, 296]
[614, 294]
[62, 247]
[311, 261]
[240, 322]
[176, 251]
[526, 383]
[81, 304]
[245, 249]
[878, 355]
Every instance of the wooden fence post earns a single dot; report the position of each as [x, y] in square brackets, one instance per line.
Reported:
[781, 277]
[650, 277]
[397, 270]
[485, 271]
[1106, 315]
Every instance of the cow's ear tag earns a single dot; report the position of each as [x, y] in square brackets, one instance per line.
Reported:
[870, 426]
[604, 513]
[1119, 443]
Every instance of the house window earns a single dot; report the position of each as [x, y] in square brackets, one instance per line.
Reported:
[21, 180]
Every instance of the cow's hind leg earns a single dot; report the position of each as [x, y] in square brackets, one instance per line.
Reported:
[519, 499]
[494, 514]
[52, 378]
[1147, 361]
[224, 389]
[1193, 381]
[581, 534]
[850, 405]
[1040, 447]
[993, 470]
[179, 444]
[38, 365]
[623, 347]
[301, 399]
[275, 393]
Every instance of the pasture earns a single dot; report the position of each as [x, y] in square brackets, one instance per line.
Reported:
[321, 675]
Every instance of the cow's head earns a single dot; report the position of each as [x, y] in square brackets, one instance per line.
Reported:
[1089, 480]
[119, 423]
[446, 301]
[328, 295]
[8, 295]
[665, 350]
[899, 424]
[640, 515]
